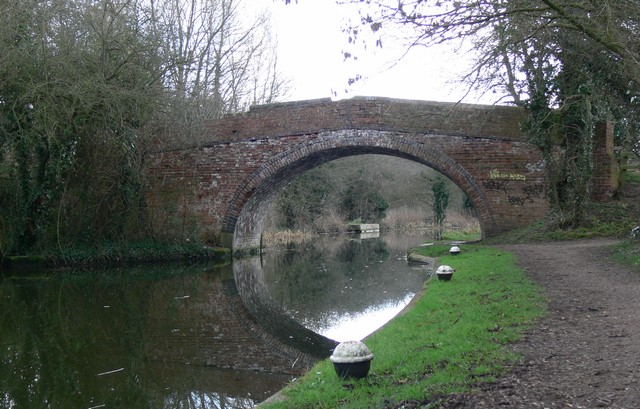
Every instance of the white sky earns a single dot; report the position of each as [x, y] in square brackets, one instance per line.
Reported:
[310, 42]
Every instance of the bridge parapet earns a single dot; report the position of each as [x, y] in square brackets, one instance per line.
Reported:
[374, 113]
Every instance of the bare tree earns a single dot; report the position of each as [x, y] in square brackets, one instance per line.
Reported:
[569, 63]
[220, 60]
[86, 87]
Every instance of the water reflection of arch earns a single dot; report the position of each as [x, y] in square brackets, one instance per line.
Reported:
[250, 281]
[213, 327]
[248, 208]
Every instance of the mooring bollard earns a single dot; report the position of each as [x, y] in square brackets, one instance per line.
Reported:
[445, 272]
[351, 359]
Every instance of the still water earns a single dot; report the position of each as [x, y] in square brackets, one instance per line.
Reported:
[196, 336]
[345, 290]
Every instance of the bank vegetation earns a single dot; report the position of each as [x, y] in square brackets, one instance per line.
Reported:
[88, 87]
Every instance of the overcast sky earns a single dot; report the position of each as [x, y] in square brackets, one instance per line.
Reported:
[310, 42]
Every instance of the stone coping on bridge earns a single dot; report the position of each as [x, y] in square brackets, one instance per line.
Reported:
[376, 113]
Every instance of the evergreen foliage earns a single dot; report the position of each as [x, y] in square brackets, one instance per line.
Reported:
[304, 200]
[362, 202]
[440, 203]
[87, 87]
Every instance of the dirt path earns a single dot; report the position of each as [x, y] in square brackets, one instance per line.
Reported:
[586, 352]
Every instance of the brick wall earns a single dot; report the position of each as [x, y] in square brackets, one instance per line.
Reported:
[605, 180]
[292, 118]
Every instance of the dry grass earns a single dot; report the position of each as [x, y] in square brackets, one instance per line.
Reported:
[284, 237]
[461, 220]
[330, 222]
[415, 217]
[405, 218]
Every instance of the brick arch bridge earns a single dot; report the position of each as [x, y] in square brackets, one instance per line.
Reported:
[225, 187]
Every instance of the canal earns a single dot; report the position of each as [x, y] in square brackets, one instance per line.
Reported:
[195, 336]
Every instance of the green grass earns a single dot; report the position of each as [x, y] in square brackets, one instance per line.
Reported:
[632, 176]
[461, 235]
[452, 340]
[607, 220]
[628, 253]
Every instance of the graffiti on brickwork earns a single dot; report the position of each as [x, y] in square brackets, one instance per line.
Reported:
[535, 167]
[496, 174]
[533, 191]
[517, 201]
[495, 185]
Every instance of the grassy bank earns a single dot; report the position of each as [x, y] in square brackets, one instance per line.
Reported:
[628, 253]
[451, 340]
[116, 253]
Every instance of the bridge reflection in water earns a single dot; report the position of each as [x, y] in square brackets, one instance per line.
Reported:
[180, 337]
[344, 289]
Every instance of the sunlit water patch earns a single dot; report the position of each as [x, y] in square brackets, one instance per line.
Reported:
[356, 326]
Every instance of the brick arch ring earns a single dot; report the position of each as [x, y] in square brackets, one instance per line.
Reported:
[245, 215]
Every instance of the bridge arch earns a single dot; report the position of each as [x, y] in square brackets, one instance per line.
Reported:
[219, 190]
[246, 212]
